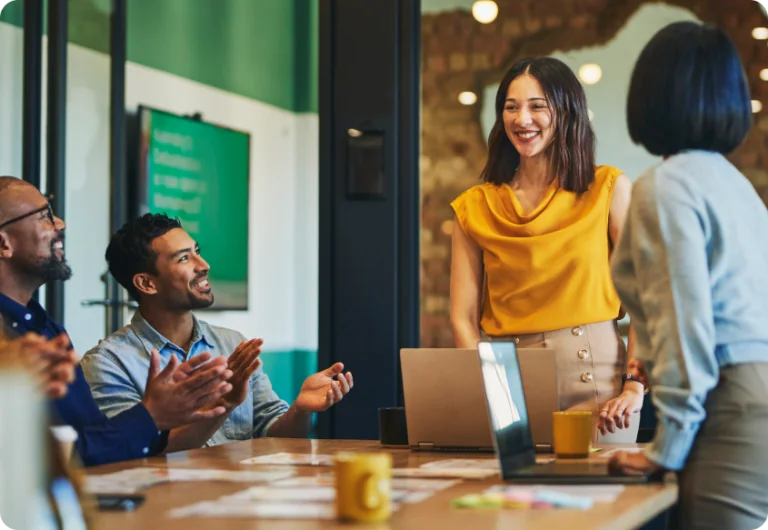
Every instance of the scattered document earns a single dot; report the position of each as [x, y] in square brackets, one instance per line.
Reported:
[259, 510]
[132, 480]
[293, 459]
[309, 497]
[463, 463]
[406, 484]
[627, 450]
[438, 472]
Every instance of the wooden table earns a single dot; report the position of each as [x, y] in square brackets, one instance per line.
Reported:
[635, 506]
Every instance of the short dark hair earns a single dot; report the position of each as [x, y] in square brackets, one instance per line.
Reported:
[573, 146]
[689, 91]
[129, 252]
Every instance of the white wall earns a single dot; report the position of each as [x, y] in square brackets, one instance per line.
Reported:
[435, 6]
[308, 230]
[608, 98]
[11, 53]
[283, 190]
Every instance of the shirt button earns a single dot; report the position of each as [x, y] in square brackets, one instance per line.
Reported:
[15, 324]
[577, 331]
[586, 377]
[583, 354]
[28, 316]
[145, 450]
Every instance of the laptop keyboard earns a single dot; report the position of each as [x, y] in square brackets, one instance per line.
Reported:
[461, 449]
[560, 468]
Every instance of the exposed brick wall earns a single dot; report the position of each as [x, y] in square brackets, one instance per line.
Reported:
[460, 54]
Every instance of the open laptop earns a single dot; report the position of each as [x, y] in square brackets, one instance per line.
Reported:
[508, 417]
[445, 406]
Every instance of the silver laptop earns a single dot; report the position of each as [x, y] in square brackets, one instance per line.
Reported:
[509, 420]
[445, 404]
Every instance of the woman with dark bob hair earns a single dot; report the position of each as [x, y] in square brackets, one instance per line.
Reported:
[690, 268]
[531, 245]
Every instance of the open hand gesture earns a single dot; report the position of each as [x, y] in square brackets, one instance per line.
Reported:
[324, 389]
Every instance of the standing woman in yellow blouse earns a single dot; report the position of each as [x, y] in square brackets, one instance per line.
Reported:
[531, 245]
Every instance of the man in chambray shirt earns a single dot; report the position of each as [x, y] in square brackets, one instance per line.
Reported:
[160, 266]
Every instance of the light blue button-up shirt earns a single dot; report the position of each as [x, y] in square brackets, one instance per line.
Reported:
[690, 268]
[117, 369]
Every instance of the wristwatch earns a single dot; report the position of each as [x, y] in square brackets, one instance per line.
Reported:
[630, 377]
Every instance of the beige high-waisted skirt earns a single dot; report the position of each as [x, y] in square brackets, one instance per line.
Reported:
[590, 361]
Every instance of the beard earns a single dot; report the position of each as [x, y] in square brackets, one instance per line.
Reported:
[199, 302]
[52, 268]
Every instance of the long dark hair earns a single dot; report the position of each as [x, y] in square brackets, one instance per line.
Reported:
[573, 147]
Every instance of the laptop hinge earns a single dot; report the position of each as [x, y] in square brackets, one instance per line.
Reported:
[427, 446]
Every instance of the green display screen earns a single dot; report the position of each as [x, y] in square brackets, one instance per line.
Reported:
[198, 172]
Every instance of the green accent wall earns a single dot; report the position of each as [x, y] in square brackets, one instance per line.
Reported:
[265, 50]
[287, 370]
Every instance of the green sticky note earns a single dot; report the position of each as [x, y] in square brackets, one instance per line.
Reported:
[478, 501]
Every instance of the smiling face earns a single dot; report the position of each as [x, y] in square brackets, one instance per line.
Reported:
[528, 119]
[33, 244]
[181, 279]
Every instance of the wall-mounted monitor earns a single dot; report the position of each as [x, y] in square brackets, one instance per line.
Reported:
[199, 172]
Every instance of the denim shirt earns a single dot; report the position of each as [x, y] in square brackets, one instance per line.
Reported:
[117, 371]
[690, 267]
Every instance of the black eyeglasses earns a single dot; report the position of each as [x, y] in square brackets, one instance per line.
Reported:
[30, 214]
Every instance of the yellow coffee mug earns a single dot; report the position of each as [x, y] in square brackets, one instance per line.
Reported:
[363, 486]
[572, 433]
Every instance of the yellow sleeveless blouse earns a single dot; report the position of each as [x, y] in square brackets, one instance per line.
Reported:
[548, 269]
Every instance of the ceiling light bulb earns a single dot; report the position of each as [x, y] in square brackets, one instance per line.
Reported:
[760, 33]
[485, 11]
[467, 98]
[590, 73]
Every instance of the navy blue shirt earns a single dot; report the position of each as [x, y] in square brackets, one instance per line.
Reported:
[101, 440]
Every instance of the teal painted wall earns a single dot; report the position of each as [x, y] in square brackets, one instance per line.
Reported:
[287, 370]
[262, 49]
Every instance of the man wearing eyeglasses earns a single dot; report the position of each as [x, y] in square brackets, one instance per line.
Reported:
[32, 254]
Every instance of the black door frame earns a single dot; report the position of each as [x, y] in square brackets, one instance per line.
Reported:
[365, 328]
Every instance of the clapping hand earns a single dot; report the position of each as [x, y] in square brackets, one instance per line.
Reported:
[50, 361]
[182, 393]
[324, 389]
[243, 362]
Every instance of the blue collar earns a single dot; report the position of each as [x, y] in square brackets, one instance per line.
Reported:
[152, 339]
[32, 315]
